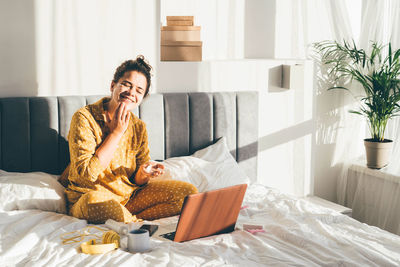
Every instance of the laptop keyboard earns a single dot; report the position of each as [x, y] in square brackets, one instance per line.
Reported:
[170, 236]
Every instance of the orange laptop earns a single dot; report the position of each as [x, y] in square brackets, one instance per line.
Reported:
[208, 213]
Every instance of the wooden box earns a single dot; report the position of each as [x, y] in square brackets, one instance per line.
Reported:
[180, 18]
[181, 51]
[180, 33]
[179, 23]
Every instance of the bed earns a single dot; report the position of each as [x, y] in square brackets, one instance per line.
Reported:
[33, 134]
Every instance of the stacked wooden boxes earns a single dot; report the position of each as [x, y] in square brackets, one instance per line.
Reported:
[180, 40]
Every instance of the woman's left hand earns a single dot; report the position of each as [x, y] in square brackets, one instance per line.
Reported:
[148, 171]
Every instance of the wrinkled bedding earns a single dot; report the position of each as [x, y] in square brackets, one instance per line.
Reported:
[296, 233]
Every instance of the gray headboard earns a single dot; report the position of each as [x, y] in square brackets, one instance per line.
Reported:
[33, 130]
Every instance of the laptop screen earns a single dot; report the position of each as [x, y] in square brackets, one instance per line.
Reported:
[210, 213]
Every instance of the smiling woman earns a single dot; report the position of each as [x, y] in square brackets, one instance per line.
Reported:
[110, 172]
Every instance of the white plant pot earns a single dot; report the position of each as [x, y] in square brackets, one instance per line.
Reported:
[378, 153]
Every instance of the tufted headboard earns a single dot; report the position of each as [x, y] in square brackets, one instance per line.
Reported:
[33, 130]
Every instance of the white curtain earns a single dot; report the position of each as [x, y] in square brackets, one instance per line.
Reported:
[314, 21]
[374, 195]
[310, 21]
[79, 44]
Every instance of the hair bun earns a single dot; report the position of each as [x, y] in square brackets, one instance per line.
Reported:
[142, 61]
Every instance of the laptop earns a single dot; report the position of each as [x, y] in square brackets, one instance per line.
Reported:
[205, 214]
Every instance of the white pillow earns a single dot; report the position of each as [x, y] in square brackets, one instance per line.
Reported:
[35, 190]
[210, 168]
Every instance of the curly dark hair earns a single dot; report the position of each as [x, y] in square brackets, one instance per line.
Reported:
[140, 64]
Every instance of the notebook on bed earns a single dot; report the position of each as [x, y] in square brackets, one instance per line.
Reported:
[208, 213]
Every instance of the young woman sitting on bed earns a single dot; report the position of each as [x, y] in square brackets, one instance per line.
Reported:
[109, 176]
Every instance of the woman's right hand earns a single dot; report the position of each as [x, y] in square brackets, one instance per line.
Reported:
[147, 171]
[120, 121]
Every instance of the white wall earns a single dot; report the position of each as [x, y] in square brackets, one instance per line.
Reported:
[260, 29]
[286, 124]
[17, 49]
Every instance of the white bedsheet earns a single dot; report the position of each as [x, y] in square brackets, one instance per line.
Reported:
[296, 233]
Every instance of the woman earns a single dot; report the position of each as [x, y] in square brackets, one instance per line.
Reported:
[110, 171]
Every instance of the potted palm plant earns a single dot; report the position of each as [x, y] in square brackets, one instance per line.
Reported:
[378, 73]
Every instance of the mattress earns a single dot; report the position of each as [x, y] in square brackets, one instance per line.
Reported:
[296, 232]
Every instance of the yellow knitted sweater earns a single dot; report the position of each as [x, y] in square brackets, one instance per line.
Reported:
[87, 132]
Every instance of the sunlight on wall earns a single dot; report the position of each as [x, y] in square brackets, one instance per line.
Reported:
[287, 128]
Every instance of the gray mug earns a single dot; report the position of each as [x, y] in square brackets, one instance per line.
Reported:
[138, 240]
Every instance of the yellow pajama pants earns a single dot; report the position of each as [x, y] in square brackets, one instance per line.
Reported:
[157, 199]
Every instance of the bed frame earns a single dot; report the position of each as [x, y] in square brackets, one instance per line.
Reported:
[33, 130]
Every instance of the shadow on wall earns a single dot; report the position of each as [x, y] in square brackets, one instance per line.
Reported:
[17, 53]
[285, 135]
[331, 106]
[275, 80]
